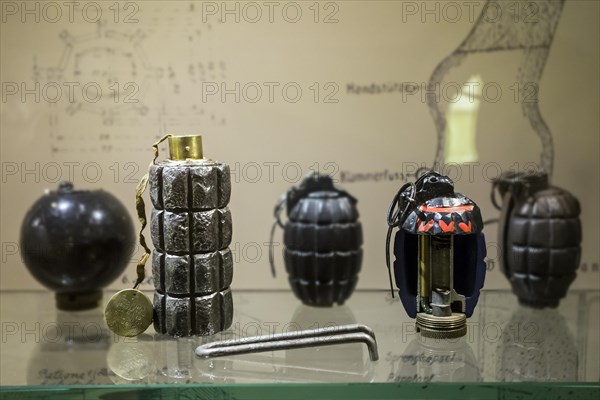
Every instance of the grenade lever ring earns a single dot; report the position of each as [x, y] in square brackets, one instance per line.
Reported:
[395, 218]
[355, 333]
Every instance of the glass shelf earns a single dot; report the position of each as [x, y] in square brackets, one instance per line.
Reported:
[52, 354]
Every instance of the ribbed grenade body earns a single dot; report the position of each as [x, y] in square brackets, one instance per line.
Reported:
[541, 235]
[191, 230]
[322, 243]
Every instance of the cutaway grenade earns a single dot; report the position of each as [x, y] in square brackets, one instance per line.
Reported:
[440, 251]
[192, 266]
[322, 241]
[540, 237]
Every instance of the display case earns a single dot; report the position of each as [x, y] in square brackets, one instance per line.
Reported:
[508, 352]
[433, 166]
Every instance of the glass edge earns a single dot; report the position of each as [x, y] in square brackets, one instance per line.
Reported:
[454, 390]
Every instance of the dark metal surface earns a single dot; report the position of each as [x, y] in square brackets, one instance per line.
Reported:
[540, 237]
[191, 230]
[323, 240]
[76, 242]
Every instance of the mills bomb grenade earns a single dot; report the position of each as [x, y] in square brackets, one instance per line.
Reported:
[322, 241]
[539, 236]
[440, 251]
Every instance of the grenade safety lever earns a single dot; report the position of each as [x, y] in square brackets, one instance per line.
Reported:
[395, 218]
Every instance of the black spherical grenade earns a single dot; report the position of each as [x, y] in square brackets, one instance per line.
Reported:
[539, 236]
[322, 241]
[76, 242]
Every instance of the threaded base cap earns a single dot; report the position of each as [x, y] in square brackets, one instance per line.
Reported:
[452, 326]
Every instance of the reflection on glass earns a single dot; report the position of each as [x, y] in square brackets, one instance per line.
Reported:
[340, 363]
[175, 359]
[131, 359]
[536, 346]
[42, 346]
[346, 362]
[435, 360]
[70, 350]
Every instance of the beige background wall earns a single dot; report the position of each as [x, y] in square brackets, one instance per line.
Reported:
[162, 60]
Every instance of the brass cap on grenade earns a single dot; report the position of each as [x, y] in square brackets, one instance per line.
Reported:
[185, 147]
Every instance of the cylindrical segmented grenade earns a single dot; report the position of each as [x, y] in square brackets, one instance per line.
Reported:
[322, 241]
[191, 230]
[540, 237]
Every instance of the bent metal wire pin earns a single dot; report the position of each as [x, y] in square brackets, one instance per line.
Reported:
[355, 333]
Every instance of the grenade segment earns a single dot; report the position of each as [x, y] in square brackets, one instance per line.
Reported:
[322, 242]
[332, 266]
[204, 186]
[212, 272]
[540, 236]
[198, 315]
[191, 230]
[330, 237]
[323, 293]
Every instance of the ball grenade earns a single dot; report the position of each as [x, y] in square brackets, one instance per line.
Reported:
[539, 235]
[76, 242]
[322, 241]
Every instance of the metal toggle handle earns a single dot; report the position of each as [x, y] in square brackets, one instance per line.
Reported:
[355, 333]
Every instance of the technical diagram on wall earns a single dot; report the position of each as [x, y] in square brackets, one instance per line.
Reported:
[528, 27]
[113, 82]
